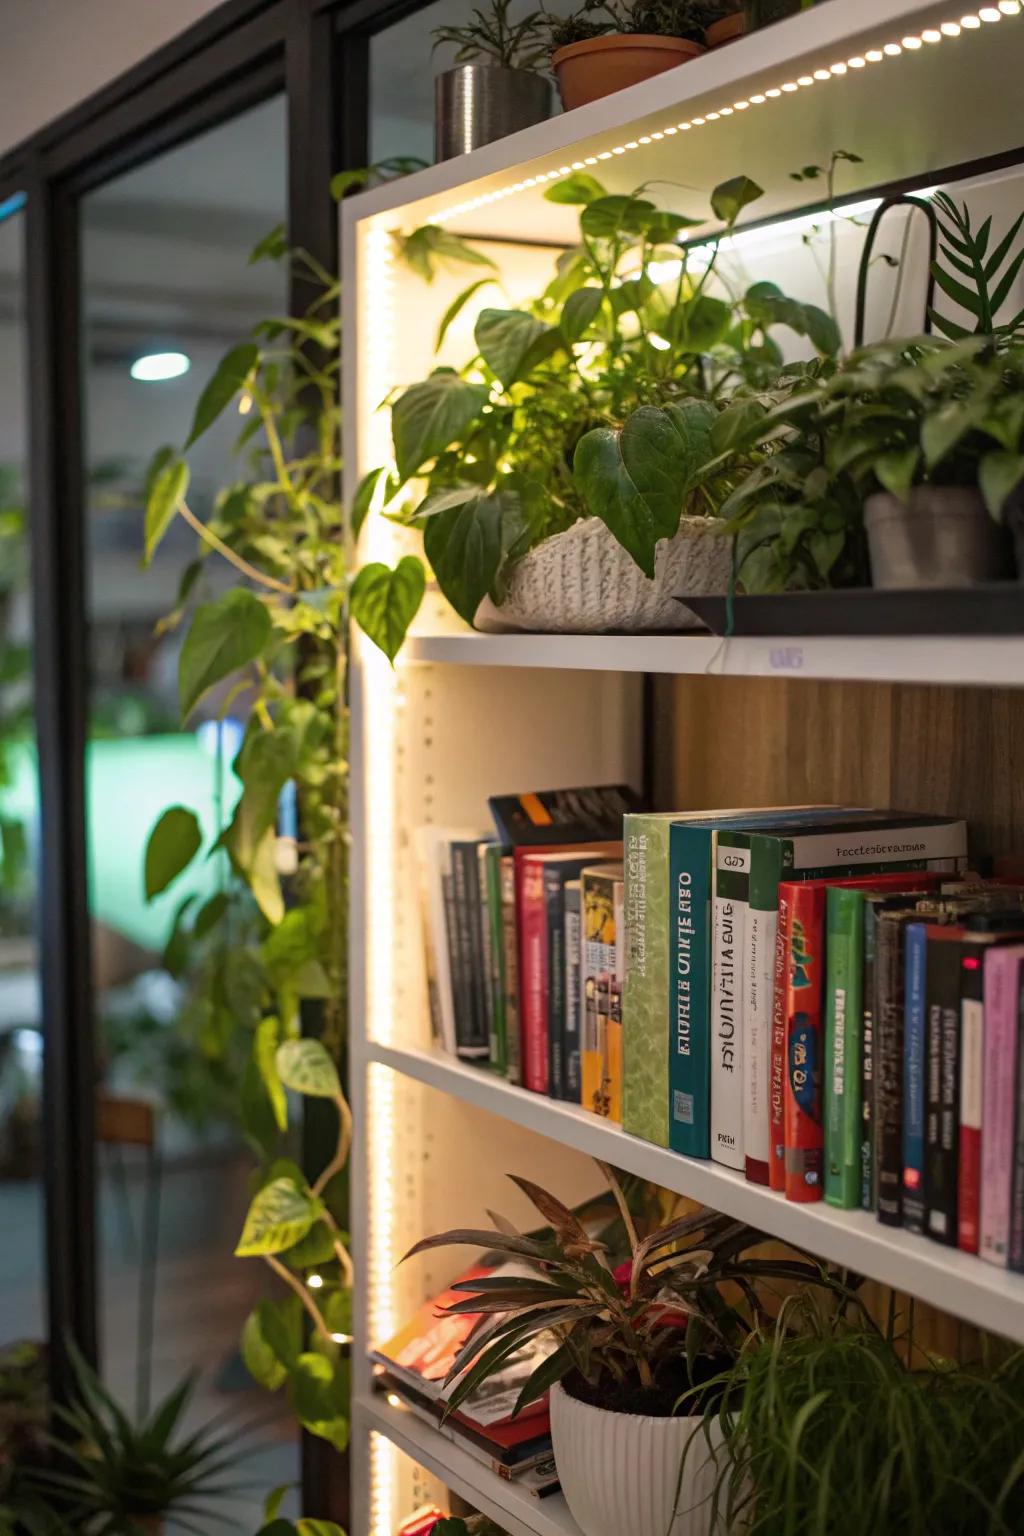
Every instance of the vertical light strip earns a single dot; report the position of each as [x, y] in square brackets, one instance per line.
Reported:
[376, 378]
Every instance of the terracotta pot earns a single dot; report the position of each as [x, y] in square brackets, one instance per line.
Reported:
[727, 30]
[600, 65]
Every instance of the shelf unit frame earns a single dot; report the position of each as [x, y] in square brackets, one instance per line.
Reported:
[452, 721]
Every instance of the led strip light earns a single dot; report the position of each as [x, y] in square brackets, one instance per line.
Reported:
[930, 36]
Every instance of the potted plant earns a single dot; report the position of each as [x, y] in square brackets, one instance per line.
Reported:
[607, 45]
[562, 466]
[830, 1423]
[498, 84]
[637, 1350]
[762, 13]
[729, 27]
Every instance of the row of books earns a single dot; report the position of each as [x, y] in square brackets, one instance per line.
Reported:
[767, 988]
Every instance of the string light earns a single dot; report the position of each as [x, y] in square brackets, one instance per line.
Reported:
[315, 1282]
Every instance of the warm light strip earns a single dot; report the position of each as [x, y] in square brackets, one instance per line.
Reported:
[910, 43]
[382, 1483]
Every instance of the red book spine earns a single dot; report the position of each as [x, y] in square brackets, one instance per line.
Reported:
[804, 964]
[777, 1067]
[533, 975]
[972, 1077]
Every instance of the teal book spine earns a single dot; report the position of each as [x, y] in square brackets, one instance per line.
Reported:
[645, 1003]
[844, 969]
[689, 1098]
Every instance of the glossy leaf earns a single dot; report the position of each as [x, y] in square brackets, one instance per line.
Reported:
[385, 601]
[305, 1067]
[512, 342]
[172, 845]
[580, 311]
[232, 372]
[464, 546]
[428, 418]
[576, 190]
[223, 636]
[363, 498]
[731, 197]
[168, 489]
[279, 1216]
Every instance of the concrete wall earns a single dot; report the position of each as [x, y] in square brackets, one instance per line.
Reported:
[54, 53]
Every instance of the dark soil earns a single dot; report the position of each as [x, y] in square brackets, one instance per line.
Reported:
[659, 1402]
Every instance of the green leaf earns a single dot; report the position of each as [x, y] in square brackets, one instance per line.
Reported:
[168, 488]
[385, 601]
[967, 298]
[223, 636]
[608, 218]
[279, 1216]
[317, 1391]
[443, 501]
[344, 182]
[636, 479]
[427, 418]
[277, 1528]
[943, 429]
[305, 1067]
[275, 1499]
[265, 1046]
[895, 471]
[456, 307]
[464, 547]
[999, 475]
[575, 190]
[173, 844]
[321, 1527]
[512, 342]
[272, 247]
[429, 245]
[557, 1365]
[317, 1247]
[703, 323]
[263, 878]
[255, 1112]
[581, 310]
[1002, 250]
[232, 371]
[362, 499]
[210, 914]
[260, 1360]
[731, 197]
[264, 765]
[1001, 292]
[948, 327]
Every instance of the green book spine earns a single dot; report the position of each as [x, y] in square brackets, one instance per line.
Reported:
[495, 944]
[690, 969]
[645, 1007]
[844, 963]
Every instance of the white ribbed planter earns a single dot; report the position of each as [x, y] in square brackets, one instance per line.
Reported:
[584, 582]
[620, 1472]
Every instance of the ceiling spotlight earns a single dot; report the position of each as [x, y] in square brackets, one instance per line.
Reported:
[153, 366]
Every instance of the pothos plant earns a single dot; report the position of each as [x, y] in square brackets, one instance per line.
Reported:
[598, 398]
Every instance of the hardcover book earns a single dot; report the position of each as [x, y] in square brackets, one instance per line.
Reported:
[592, 814]
[601, 1053]
[510, 968]
[450, 1006]
[1002, 988]
[573, 895]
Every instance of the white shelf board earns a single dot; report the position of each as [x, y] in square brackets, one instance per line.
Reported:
[968, 660]
[957, 1282]
[515, 1510]
[894, 113]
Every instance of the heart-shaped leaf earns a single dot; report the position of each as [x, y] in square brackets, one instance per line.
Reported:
[464, 547]
[427, 418]
[512, 343]
[223, 636]
[280, 1214]
[385, 601]
[173, 844]
[731, 197]
[580, 311]
[305, 1067]
[575, 190]
[232, 371]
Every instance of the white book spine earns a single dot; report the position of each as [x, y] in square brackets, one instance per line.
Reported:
[727, 1082]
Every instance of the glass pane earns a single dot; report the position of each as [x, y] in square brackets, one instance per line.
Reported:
[168, 290]
[22, 1283]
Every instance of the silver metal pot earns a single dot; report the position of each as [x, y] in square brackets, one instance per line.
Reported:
[475, 104]
[941, 536]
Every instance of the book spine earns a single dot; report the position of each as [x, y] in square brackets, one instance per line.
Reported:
[914, 1050]
[732, 871]
[510, 952]
[614, 1024]
[466, 891]
[690, 960]
[462, 1005]
[804, 1047]
[867, 1060]
[554, 907]
[758, 999]
[844, 958]
[598, 971]
[645, 995]
[777, 1062]
[573, 957]
[496, 953]
[997, 1141]
[941, 1120]
[972, 1068]
[890, 992]
[533, 991]
[1016, 1253]
[487, 957]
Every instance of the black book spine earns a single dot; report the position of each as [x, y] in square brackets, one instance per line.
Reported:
[942, 1110]
[867, 1061]
[554, 908]
[1016, 1259]
[471, 1026]
[888, 1068]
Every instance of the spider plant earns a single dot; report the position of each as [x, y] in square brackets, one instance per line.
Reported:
[110, 1477]
[491, 37]
[626, 1331]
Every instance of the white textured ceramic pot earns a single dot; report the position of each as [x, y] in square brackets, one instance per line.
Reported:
[584, 582]
[620, 1472]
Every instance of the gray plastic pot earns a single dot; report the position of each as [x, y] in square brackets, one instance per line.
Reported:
[941, 536]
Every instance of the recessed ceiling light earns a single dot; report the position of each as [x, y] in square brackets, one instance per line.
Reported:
[160, 365]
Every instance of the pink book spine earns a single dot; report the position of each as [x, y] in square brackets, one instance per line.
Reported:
[1002, 967]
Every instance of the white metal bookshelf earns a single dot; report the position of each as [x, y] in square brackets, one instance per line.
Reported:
[465, 715]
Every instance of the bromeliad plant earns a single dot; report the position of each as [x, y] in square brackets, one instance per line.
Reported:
[633, 1335]
[895, 415]
[599, 398]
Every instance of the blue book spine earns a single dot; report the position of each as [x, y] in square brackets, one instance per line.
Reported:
[914, 1049]
[690, 990]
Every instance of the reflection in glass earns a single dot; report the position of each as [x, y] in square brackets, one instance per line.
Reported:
[168, 289]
